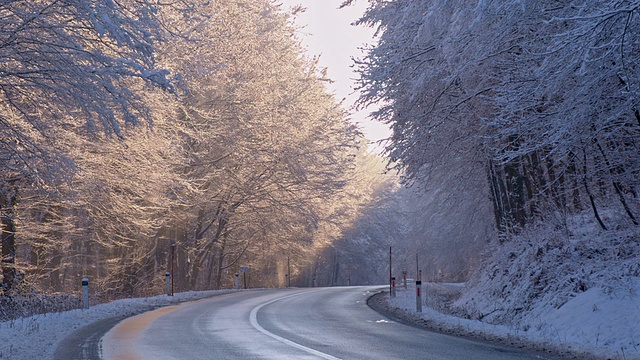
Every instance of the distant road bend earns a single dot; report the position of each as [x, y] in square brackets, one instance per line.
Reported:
[319, 323]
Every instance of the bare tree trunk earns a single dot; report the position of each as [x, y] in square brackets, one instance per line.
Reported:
[616, 183]
[586, 187]
[497, 191]
[575, 193]
[8, 199]
[210, 262]
[54, 278]
[220, 264]
[336, 269]
[195, 272]
[515, 188]
[8, 251]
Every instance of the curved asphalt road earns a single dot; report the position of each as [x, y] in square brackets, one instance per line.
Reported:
[325, 323]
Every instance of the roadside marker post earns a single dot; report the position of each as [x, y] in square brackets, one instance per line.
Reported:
[244, 270]
[85, 292]
[288, 278]
[418, 296]
[173, 255]
[390, 274]
[237, 281]
[168, 277]
[393, 286]
[404, 278]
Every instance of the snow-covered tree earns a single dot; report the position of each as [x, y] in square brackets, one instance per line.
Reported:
[533, 105]
[371, 221]
[71, 59]
[247, 164]
[263, 144]
[426, 74]
[567, 94]
[540, 96]
[64, 64]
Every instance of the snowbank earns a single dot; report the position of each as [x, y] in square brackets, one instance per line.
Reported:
[37, 337]
[593, 325]
[594, 320]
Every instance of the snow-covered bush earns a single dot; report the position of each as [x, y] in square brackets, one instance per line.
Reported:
[544, 267]
[29, 304]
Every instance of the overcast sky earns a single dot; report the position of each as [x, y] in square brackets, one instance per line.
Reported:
[328, 32]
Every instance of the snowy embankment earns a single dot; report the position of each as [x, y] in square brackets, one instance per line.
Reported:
[574, 331]
[570, 294]
[38, 336]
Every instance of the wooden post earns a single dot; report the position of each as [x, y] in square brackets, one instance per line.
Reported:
[173, 255]
[390, 273]
[288, 272]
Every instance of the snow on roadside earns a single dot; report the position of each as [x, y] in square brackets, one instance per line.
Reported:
[593, 324]
[604, 323]
[571, 284]
[38, 336]
[558, 285]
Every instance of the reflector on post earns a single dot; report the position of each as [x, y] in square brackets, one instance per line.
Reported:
[85, 292]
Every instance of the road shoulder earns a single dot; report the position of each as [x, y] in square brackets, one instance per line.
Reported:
[379, 302]
[84, 343]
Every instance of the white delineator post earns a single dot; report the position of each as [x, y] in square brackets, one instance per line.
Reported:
[167, 275]
[237, 281]
[85, 292]
[418, 296]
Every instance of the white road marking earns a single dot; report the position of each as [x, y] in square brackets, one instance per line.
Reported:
[253, 317]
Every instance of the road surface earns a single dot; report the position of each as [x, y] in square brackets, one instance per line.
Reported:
[320, 323]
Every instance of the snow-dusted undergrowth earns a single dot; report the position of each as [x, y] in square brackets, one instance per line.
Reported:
[28, 304]
[570, 287]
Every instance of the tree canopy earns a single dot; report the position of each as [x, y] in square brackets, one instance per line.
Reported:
[540, 97]
[244, 159]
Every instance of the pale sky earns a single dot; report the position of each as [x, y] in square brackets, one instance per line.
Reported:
[328, 32]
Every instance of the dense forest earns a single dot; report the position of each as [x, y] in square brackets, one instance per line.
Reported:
[139, 137]
[518, 122]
